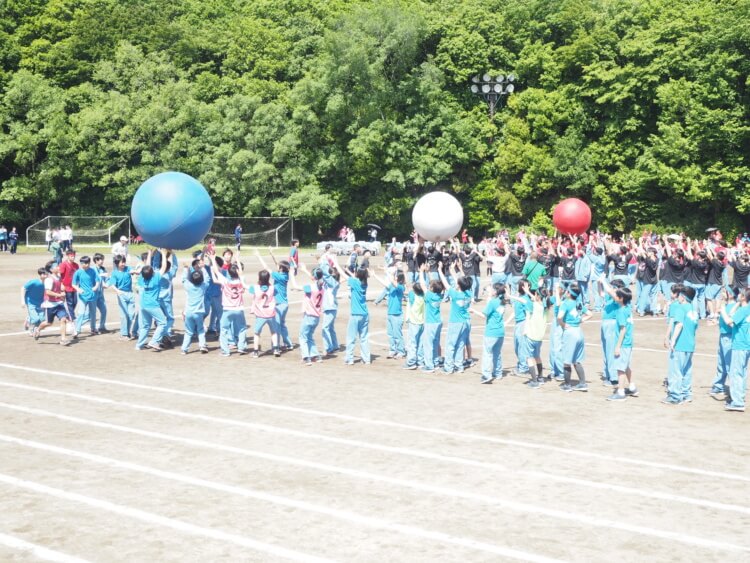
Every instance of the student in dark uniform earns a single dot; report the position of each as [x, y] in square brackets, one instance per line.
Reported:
[697, 276]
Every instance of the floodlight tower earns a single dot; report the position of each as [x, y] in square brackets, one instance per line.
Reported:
[492, 88]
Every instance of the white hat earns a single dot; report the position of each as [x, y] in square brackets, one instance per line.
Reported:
[123, 239]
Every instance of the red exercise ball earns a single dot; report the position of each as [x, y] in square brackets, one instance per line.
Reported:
[572, 216]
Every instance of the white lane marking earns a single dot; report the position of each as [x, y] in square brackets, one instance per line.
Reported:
[368, 521]
[422, 454]
[50, 330]
[159, 520]
[419, 485]
[390, 424]
[37, 551]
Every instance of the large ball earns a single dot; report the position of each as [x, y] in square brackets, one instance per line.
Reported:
[437, 216]
[572, 216]
[172, 210]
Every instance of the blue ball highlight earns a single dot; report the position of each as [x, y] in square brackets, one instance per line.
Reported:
[172, 210]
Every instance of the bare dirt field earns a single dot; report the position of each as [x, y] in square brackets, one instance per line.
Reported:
[110, 454]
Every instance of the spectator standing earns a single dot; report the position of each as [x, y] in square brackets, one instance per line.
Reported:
[238, 236]
[13, 240]
[120, 248]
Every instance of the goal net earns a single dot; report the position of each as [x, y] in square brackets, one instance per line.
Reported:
[87, 231]
[256, 231]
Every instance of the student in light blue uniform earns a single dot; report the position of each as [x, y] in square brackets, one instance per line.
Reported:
[521, 308]
[214, 307]
[740, 323]
[359, 318]
[719, 390]
[459, 323]
[536, 327]
[395, 289]
[583, 274]
[494, 334]
[195, 285]
[673, 306]
[598, 263]
[32, 295]
[682, 347]
[570, 316]
[390, 262]
[166, 293]
[121, 280]
[86, 285]
[149, 283]
[624, 347]
[608, 330]
[281, 283]
[101, 303]
[433, 323]
[331, 284]
[555, 338]
[415, 322]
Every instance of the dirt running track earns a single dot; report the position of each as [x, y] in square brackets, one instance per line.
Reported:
[109, 454]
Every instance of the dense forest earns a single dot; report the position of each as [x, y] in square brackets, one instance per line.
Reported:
[345, 111]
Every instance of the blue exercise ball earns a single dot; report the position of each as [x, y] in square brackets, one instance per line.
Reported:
[172, 210]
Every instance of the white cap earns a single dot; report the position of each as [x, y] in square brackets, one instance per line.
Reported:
[123, 239]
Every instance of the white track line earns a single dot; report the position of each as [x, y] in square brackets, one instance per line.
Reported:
[37, 551]
[410, 452]
[159, 520]
[390, 424]
[418, 485]
[50, 330]
[345, 515]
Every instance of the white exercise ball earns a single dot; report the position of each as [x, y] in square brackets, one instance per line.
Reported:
[437, 216]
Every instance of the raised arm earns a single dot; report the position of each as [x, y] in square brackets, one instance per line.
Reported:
[215, 273]
[165, 258]
[383, 282]
[263, 262]
[341, 270]
[446, 285]
[270, 252]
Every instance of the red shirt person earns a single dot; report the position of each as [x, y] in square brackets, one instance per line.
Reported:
[68, 268]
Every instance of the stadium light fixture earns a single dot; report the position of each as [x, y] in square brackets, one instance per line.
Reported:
[493, 88]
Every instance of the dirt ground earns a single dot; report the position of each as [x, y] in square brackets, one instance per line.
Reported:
[110, 454]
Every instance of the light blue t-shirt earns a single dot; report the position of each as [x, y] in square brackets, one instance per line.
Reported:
[494, 311]
[625, 320]
[432, 303]
[689, 320]
[86, 280]
[522, 308]
[196, 295]
[150, 291]
[460, 303]
[597, 262]
[359, 297]
[280, 282]
[101, 277]
[610, 308]
[122, 280]
[330, 293]
[571, 314]
[34, 292]
[395, 299]
[724, 328]
[741, 331]
[165, 284]
[674, 306]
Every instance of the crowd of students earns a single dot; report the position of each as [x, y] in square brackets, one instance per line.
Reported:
[540, 282]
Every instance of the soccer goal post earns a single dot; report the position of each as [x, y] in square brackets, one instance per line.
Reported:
[86, 231]
[255, 231]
